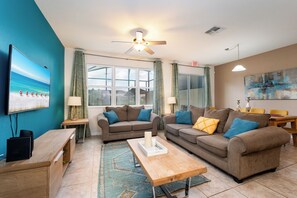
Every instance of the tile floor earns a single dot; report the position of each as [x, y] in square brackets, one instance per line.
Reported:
[81, 178]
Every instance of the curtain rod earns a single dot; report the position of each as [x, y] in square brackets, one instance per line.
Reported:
[133, 59]
[198, 67]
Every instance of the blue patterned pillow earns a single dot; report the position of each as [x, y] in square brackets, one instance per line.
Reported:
[144, 115]
[239, 126]
[183, 117]
[111, 116]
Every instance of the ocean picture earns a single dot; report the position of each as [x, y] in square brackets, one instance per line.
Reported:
[278, 85]
[29, 84]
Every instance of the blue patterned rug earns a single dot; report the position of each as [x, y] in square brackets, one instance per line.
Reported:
[119, 178]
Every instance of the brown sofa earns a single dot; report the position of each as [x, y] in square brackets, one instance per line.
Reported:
[243, 155]
[128, 127]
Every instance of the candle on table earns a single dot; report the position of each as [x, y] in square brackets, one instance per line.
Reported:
[148, 138]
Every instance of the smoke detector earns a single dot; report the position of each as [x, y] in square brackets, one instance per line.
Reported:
[214, 30]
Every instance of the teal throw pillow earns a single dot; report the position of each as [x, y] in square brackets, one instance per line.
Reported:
[111, 116]
[183, 117]
[239, 126]
[144, 115]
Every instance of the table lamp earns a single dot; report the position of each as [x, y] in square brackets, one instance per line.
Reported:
[171, 101]
[74, 101]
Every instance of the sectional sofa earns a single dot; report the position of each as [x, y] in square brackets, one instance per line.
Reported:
[243, 155]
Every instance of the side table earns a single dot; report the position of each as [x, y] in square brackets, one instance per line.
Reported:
[84, 121]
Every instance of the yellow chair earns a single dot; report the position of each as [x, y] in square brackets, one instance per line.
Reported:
[212, 108]
[279, 112]
[274, 112]
[243, 110]
[257, 110]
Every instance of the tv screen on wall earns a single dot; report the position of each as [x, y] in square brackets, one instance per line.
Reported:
[29, 84]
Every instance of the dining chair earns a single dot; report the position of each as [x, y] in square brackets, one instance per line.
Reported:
[279, 112]
[243, 110]
[257, 110]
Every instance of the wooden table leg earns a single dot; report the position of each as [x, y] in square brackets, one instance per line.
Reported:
[294, 135]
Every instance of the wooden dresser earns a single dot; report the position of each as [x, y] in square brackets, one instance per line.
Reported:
[41, 175]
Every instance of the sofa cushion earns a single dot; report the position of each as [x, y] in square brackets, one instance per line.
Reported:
[144, 115]
[262, 119]
[191, 135]
[120, 111]
[120, 127]
[221, 114]
[133, 112]
[174, 128]
[208, 125]
[216, 144]
[141, 125]
[111, 117]
[183, 117]
[239, 126]
[196, 113]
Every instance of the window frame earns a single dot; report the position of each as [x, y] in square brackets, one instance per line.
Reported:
[188, 82]
[113, 86]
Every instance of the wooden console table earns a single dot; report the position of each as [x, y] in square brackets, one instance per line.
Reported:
[84, 121]
[41, 175]
[275, 121]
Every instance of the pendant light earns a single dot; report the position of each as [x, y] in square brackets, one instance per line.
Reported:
[238, 68]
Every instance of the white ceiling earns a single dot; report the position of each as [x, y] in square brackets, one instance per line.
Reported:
[257, 25]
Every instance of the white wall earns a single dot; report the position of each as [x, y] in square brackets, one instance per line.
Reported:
[94, 111]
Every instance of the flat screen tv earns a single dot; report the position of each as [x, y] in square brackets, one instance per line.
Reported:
[29, 84]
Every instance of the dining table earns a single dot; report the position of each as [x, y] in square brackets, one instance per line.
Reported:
[276, 120]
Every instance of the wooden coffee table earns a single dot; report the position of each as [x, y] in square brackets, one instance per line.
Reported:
[163, 169]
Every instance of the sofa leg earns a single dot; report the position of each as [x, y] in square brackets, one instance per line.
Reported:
[237, 180]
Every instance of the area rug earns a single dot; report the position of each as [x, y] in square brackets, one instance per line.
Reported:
[119, 178]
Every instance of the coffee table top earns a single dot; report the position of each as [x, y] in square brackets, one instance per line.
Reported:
[166, 168]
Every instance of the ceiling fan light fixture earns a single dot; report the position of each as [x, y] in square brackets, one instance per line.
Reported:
[238, 68]
[139, 47]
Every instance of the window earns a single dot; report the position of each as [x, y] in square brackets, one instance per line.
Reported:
[146, 83]
[191, 91]
[99, 85]
[119, 86]
[125, 83]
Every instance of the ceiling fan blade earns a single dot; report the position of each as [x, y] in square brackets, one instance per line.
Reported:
[155, 43]
[121, 41]
[148, 50]
[129, 50]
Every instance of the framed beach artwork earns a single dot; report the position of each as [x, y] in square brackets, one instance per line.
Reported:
[277, 85]
[29, 84]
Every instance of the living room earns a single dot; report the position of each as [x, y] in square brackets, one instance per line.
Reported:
[260, 36]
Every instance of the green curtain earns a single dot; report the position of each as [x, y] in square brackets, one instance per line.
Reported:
[158, 103]
[207, 87]
[78, 87]
[174, 87]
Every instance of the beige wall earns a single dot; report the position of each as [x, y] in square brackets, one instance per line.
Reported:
[94, 111]
[229, 86]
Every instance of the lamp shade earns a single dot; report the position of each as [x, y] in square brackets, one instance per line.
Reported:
[74, 101]
[171, 100]
[238, 68]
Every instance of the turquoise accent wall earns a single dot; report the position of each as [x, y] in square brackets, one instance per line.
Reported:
[23, 25]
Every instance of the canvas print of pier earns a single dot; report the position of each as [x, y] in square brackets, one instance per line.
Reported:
[29, 84]
[278, 85]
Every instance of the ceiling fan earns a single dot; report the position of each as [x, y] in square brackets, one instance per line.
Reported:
[139, 43]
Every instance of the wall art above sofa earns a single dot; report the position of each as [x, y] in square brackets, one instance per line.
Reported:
[277, 85]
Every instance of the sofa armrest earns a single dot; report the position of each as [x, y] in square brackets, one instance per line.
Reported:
[259, 140]
[155, 119]
[170, 119]
[103, 123]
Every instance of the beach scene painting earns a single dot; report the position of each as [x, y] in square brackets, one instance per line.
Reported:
[29, 87]
[278, 85]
